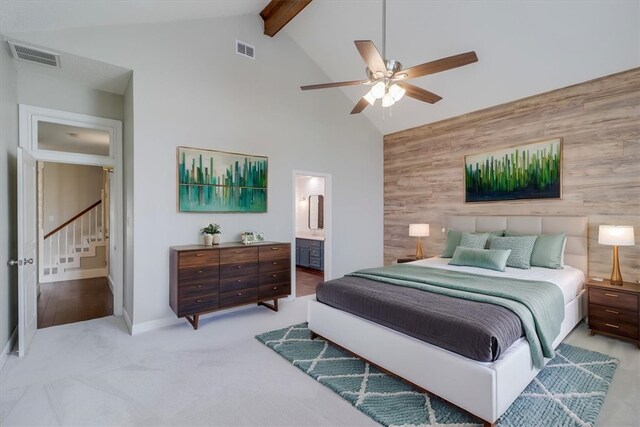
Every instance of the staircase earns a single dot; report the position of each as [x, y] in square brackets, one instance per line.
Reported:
[77, 249]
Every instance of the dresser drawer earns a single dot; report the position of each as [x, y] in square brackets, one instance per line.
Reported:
[197, 274]
[198, 258]
[198, 289]
[271, 252]
[616, 328]
[613, 298]
[603, 313]
[315, 252]
[315, 262]
[238, 255]
[199, 304]
[238, 269]
[275, 277]
[276, 290]
[246, 296]
[238, 283]
[275, 265]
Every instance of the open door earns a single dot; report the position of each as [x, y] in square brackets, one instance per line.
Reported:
[27, 250]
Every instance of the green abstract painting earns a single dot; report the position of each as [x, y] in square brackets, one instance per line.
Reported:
[531, 171]
[217, 181]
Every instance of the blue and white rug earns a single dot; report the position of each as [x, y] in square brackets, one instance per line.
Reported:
[569, 391]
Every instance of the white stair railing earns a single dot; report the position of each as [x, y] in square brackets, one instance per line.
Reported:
[64, 248]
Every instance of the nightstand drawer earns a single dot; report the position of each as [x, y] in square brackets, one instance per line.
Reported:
[198, 304]
[234, 298]
[615, 328]
[204, 258]
[613, 298]
[603, 313]
[238, 283]
[271, 252]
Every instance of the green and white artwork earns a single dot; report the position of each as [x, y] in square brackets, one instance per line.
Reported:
[217, 181]
[531, 171]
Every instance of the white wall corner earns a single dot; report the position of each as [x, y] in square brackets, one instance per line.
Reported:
[127, 320]
[7, 348]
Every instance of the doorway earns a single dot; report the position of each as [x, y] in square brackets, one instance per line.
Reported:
[73, 236]
[311, 231]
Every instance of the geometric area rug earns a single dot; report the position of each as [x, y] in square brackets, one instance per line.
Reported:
[569, 391]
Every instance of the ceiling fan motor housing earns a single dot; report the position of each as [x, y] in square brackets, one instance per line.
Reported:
[392, 65]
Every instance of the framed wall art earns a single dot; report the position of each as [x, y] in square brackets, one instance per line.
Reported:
[218, 181]
[530, 171]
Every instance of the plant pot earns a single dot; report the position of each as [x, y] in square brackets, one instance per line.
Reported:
[216, 238]
[208, 239]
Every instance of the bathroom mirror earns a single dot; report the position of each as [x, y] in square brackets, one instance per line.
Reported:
[316, 212]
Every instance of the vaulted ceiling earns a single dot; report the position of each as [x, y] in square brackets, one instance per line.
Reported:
[524, 47]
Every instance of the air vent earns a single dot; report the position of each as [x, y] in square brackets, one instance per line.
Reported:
[245, 49]
[32, 54]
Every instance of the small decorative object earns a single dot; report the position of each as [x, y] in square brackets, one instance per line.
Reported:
[419, 230]
[211, 234]
[531, 171]
[248, 238]
[616, 235]
[216, 181]
[259, 236]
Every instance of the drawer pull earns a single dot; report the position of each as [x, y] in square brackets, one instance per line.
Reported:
[275, 288]
[238, 252]
[198, 300]
[274, 263]
[612, 311]
[612, 295]
[275, 249]
[239, 267]
[239, 280]
[199, 271]
[199, 286]
[199, 254]
[239, 294]
[612, 326]
[274, 275]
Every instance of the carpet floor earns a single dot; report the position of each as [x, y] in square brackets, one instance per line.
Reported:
[569, 391]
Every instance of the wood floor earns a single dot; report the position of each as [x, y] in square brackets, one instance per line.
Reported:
[73, 301]
[306, 280]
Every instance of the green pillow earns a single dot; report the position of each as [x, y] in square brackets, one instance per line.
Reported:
[548, 250]
[453, 241]
[472, 240]
[492, 259]
[521, 249]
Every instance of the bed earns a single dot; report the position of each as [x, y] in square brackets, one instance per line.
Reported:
[483, 388]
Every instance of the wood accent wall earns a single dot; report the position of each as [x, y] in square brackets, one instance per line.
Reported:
[599, 122]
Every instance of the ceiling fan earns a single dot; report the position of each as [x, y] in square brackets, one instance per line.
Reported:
[388, 79]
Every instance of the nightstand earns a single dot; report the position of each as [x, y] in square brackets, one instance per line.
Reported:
[614, 310]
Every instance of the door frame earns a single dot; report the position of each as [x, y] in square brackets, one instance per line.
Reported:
[29, 116]
[328, 225]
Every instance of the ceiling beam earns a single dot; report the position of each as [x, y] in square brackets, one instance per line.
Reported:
[279, 12]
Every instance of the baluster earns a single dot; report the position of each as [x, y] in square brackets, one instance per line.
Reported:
[96, 221]
[75, 225]
[102, 217]
[58, 252]
[81, 233]
[50, 252]
[66, 244]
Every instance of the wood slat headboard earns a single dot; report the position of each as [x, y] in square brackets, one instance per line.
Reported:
[576, 228]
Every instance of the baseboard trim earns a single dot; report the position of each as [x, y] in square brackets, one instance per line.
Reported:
[151, 325]
[110, 282]
[7, 348]
[127, 320]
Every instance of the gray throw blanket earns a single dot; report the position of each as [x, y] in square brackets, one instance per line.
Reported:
[539, 305]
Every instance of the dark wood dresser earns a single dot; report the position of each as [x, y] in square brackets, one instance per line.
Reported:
[615, 310]
[210, 278]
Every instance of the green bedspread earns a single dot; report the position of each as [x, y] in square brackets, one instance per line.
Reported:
[539, 305]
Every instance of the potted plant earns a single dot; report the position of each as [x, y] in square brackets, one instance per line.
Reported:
[212, 234]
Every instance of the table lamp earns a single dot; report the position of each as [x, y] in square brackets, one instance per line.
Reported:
[419, 230]
[616, 235]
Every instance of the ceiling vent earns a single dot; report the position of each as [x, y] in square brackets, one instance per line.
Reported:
[245, 49]
[32, 54]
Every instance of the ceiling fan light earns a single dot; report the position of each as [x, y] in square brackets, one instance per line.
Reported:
[370, 98]
[396, 92]
[387, 100]
[378, 90]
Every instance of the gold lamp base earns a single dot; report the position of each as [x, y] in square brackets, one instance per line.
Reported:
[419, 250]
[616, 277]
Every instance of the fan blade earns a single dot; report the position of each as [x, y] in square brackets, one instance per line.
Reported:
[361, 105]
[419, 93]
[439, 65]
[371, 56]
[336, 84]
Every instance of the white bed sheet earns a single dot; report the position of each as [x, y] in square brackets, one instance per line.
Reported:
[570, 280]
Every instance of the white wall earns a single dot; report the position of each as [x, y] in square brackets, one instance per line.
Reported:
[68, 189]
[60, 94]
[305, 187]
[8, 236]
[127, 150]
[192, 89]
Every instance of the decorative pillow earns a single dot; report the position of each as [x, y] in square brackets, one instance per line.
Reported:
[453, 241]
[549, 250]
[483, 258]
[521, 249]
[471, 240]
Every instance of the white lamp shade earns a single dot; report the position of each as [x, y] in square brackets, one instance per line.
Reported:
[418, 230]
[396, 92]
[377, 90]
[616, 235]
[387, 100]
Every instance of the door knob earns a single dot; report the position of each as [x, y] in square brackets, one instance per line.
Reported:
[17, 262]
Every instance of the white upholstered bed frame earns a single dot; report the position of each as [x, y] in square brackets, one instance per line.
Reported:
[484, 389]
